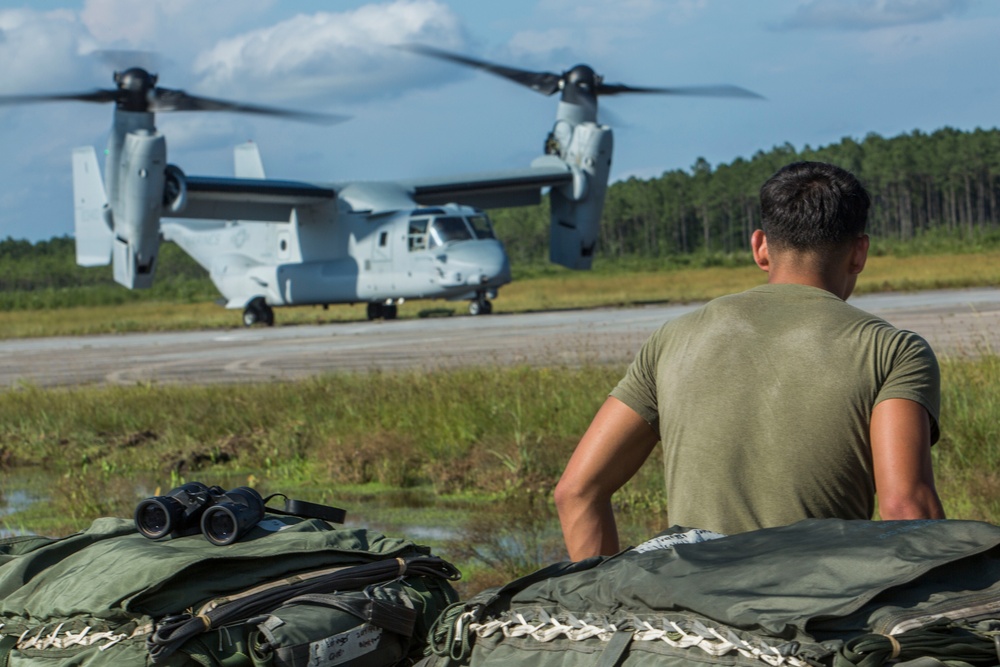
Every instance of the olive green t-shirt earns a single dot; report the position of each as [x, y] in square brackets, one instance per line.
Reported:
[763, 402]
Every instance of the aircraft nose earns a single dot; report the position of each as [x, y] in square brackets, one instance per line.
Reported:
[481, 262]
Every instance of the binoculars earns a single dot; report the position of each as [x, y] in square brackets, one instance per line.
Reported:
[221, 516]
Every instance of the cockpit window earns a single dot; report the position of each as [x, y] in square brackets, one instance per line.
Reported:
[448, 229]
[417, 237]
[481, 226]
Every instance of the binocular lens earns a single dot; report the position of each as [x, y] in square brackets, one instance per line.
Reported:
[152, 519]
[239, 510]
[223, 517]
[175, 513]
[219, 526]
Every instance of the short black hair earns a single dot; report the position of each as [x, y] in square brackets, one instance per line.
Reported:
[812, 206]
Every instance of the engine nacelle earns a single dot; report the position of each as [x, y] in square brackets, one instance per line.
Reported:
[174, 190]
[576, 209]
[137, 207]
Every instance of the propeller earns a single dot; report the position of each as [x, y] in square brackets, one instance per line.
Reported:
[136, 91]
[579, 84]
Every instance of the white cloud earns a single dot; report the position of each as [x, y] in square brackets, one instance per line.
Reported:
[40, 51]
[164, 25]
[871, 14]
[345, 54]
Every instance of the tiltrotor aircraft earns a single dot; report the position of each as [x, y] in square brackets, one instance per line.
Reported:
[268, 243]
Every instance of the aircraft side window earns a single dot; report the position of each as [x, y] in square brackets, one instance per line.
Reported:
[418, 235]
[449, 229]
[383, 239]
[481, 226]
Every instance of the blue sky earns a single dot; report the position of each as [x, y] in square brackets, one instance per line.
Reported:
[827, 70]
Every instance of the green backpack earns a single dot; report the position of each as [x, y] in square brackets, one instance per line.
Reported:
[292, 592]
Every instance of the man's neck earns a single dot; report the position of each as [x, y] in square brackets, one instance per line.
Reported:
[839, 285]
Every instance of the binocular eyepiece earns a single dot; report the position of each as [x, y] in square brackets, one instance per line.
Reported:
[221, 516]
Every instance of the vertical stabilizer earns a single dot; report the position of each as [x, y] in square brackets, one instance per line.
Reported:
[247, 162]
[90, 210]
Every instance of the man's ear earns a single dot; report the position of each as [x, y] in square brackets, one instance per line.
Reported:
[859, 254]
[758, 243]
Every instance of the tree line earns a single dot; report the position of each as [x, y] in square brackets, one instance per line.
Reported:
[946, 182]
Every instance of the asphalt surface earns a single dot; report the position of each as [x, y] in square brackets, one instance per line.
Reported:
[956, 322]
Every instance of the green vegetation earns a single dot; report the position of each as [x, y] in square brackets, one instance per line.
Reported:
[473, 452]
[44, 275]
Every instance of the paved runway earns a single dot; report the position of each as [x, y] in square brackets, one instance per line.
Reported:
[954, 321]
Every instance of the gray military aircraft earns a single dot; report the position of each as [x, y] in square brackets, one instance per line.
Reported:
[268, 243]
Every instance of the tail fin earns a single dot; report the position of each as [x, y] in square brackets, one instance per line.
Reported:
[247, 162]
[90, 210]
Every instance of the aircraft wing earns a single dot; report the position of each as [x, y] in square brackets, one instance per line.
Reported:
[266, 200]
[518, 187]
[272, 200]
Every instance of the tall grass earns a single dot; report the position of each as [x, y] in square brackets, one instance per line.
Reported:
[967, 455]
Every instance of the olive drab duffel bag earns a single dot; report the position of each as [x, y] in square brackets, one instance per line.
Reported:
[819, 592]
[289, 592]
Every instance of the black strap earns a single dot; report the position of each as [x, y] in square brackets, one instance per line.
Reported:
[307, 510]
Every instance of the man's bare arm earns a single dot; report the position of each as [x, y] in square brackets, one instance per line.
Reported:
[901, 454]
[609, 454]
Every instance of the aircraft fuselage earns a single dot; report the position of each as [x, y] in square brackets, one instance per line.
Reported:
[442, 252]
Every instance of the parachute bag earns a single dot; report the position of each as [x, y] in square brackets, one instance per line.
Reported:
[290, 591]
[821, 592]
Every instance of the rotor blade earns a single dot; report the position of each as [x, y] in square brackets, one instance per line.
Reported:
[165, 99]
[99, 96]
[543, 82]
[703, 91]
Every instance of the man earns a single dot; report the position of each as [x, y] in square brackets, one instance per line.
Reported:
[777, 404]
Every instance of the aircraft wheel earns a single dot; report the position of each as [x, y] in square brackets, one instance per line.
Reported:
[487, 306]
[374, 311]
[478, 307]
[257, 311]
[390, 312]
[267, 315]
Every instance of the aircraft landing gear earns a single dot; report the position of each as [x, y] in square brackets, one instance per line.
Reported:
[257, 311]
[480, 306]
[382, 311]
